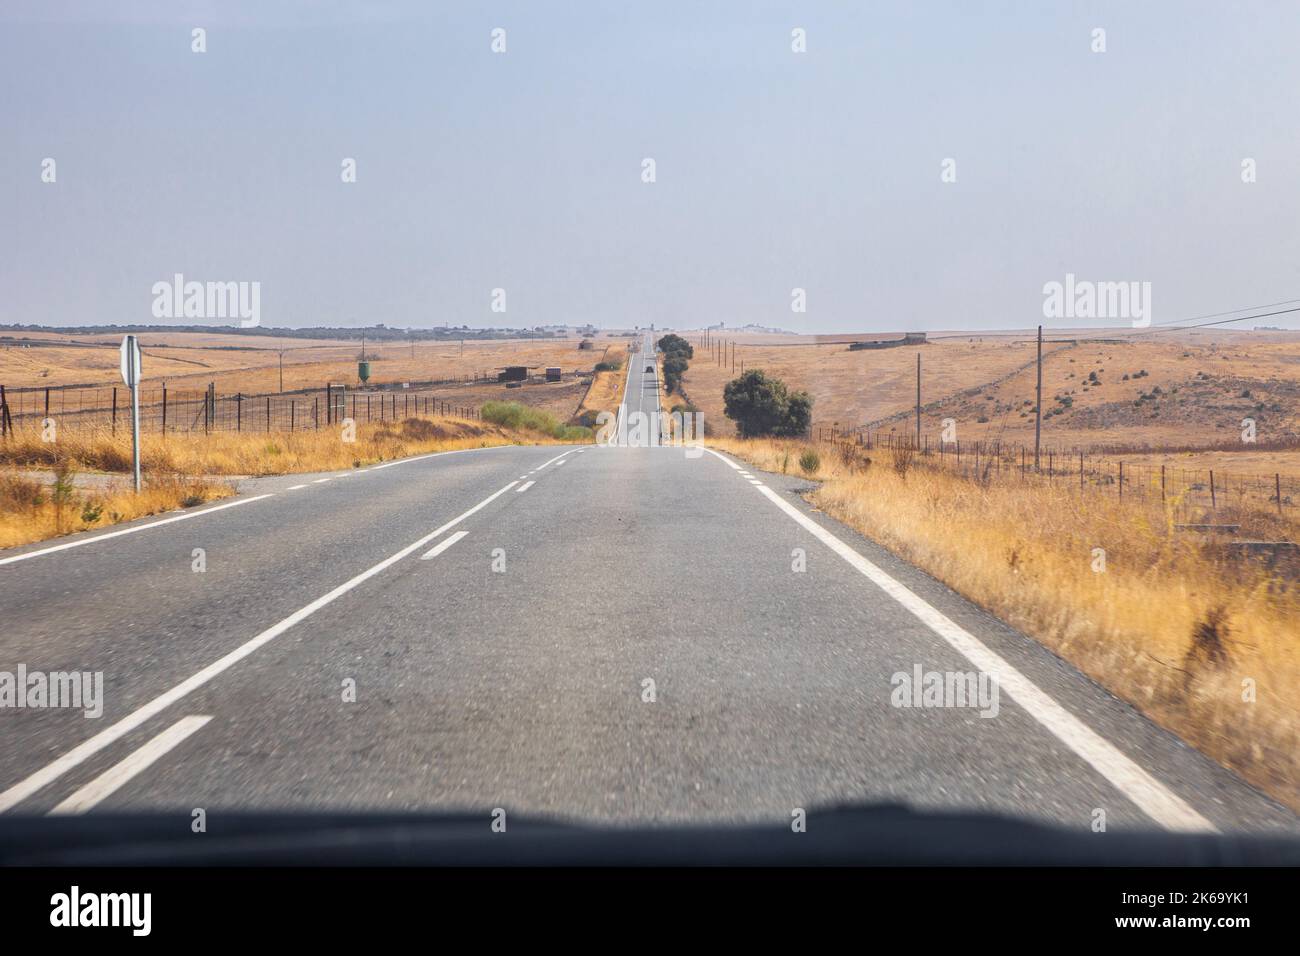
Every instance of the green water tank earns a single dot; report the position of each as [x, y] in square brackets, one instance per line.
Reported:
[363, 371]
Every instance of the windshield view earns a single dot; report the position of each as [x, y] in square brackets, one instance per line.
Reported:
[609, 435]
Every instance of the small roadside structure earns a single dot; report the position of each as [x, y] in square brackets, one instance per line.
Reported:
[909, 338]
[512, 373]
[553, 373]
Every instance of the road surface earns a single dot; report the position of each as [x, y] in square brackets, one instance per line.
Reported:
[480, 629]
[636, 424]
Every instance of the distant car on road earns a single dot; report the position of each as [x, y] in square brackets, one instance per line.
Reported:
[649, 368]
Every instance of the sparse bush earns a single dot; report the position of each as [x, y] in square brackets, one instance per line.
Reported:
[19, 493]
[62, 491]
[587, 418]
[421, 429]
[810, 462]
[903, 457]
[1209, 646]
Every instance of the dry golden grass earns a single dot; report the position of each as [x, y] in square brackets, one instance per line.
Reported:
[851, 388]
[985, 382]
[1262, 463]
[606, 392]
[1168, 626]
[249, 453]
[179, 468]
[192, 360]
[31, 510]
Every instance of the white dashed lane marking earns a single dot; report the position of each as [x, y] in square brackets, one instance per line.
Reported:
[442, 546]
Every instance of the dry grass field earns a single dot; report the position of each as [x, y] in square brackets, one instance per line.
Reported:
[606, 390]
[180, 469]
[1154, 390]
[1206, 644]
[186, 360]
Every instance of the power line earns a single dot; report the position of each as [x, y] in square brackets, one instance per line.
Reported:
[1242, 318]
[1248, 308]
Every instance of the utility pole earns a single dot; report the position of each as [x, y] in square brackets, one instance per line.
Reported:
[1038, 400]
[918, 401]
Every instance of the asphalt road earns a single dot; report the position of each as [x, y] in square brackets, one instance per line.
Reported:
[635, 424]
[501, 614]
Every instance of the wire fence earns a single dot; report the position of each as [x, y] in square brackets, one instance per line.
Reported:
[1194, 489]
[164, 410]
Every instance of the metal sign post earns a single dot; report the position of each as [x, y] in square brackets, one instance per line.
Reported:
[131, 376]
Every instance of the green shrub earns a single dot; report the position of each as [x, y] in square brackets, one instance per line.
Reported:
[810, 461]
[670, 344]
[760, 405]
[519, 417]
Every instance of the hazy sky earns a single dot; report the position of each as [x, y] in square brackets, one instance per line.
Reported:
[523, 170]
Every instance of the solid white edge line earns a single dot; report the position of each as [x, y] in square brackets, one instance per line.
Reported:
[117, 534]
[621, 418]
[1151, 796]
[295, 487]
[524, 487]
[88, 748]
[120, 774]
[442, 546]
[434, 454]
